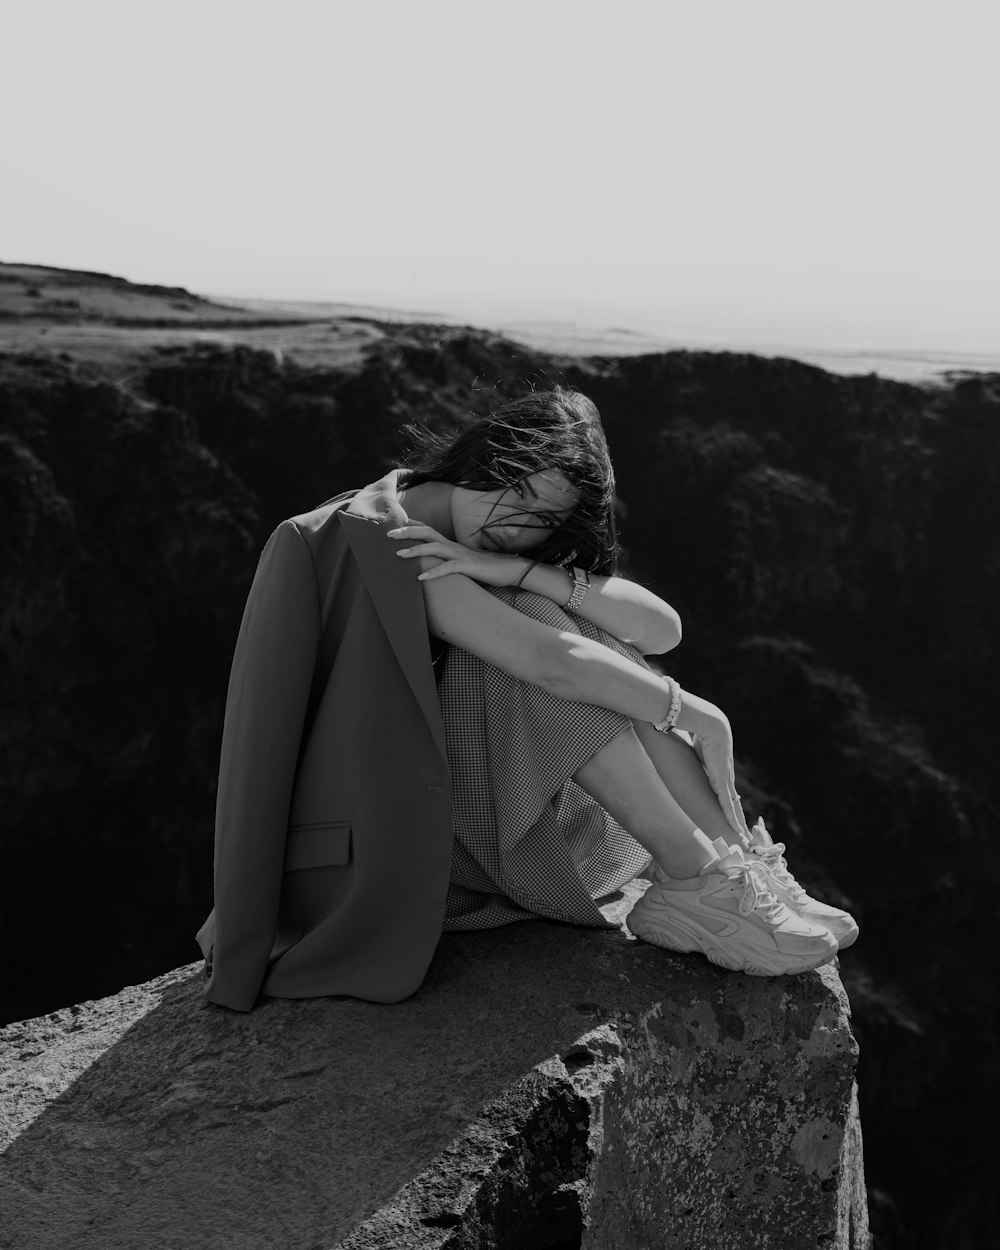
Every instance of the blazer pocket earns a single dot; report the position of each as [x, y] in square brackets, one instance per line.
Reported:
[318, 846]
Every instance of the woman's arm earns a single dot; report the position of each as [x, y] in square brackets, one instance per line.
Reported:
[572, 667]
[565, 664]
[624, 609]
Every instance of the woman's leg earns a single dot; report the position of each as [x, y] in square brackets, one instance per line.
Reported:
[624, 778]
[652, 784]
[681, 772]
[729, 914]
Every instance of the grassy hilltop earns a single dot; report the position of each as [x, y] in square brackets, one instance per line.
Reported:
[829, 542]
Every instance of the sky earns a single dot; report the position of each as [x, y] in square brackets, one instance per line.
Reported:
[713, 170]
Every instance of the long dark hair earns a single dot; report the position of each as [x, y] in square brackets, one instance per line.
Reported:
[555, 429]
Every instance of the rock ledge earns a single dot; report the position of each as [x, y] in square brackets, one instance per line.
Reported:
[547, 1087]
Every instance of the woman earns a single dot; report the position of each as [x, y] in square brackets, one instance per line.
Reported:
[439, 717]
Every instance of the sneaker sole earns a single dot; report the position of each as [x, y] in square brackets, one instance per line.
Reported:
[684, 941]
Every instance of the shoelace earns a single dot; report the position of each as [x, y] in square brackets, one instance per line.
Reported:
[775, 862]
[755, 890]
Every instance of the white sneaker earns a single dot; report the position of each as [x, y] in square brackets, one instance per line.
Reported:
[771, 854]
[734, 919]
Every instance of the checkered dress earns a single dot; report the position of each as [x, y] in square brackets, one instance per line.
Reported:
[528, 841]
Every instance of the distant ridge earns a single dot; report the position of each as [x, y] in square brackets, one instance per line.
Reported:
[43, 292]
[94, 315]
[109, 279]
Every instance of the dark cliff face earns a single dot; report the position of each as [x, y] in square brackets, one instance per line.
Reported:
[827, 541]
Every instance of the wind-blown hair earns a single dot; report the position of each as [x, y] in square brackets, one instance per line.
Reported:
[555, 429]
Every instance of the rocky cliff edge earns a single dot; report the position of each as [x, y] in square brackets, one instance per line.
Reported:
[548, 1086]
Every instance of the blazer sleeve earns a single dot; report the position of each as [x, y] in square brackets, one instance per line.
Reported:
[269, 686]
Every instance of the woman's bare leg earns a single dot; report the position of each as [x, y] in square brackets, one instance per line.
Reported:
[681, 772]
[771, 941]
[624, 779]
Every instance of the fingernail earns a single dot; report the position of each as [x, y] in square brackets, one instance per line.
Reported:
[404, 552]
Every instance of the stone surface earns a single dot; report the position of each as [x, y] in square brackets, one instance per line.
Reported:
[548, 1086]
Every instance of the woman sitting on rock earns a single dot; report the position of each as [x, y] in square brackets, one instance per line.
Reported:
[439, 717]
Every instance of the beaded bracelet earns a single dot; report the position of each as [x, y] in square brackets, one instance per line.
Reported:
[581, 584]
[670, 720]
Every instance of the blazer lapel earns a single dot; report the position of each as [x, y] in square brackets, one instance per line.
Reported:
[399, 603]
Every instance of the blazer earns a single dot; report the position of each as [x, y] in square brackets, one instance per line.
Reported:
[333, 818]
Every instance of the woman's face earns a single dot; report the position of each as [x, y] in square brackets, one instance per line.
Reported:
[514, 518]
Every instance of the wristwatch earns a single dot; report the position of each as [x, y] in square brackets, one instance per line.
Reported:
[581, 584]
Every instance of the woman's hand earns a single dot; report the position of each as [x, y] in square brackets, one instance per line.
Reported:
[713, 741]
[489, 568]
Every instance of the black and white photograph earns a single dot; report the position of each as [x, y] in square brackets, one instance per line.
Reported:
[499, 614]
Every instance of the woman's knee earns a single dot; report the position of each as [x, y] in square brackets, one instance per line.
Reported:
[538, 607]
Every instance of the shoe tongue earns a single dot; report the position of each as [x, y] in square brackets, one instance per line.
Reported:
[732, 862]
[713, 865]
[759, 835]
